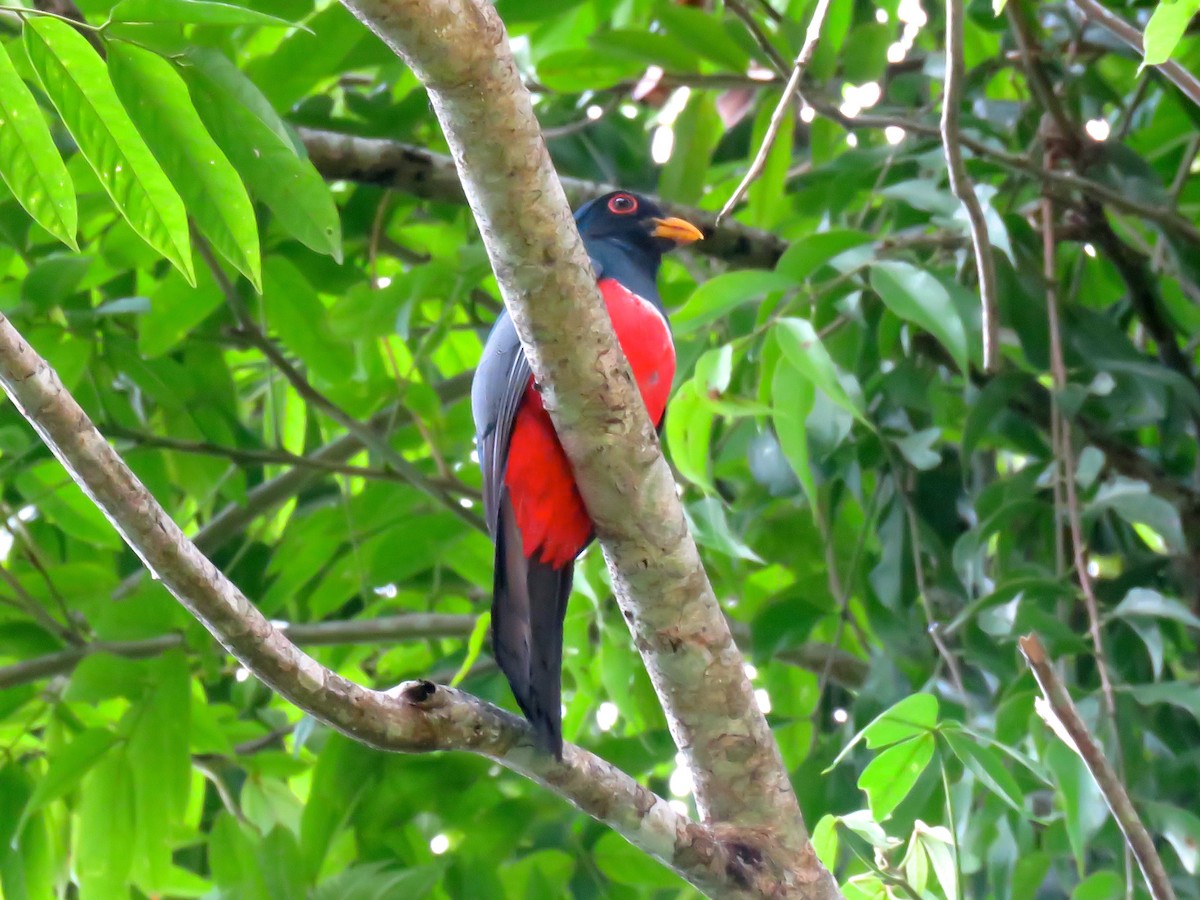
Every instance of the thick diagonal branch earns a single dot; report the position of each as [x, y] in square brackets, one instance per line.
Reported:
[459, 50]
[416, 717]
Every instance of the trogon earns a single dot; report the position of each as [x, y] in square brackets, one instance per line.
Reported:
[531, 503]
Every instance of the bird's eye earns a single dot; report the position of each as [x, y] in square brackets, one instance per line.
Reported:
[622, 205]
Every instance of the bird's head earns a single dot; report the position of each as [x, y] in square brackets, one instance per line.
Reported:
[626, 236]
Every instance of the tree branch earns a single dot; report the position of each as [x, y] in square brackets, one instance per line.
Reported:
[422, 173]
[406, 626]
[417, 716]
[233, 519]
[314, 398]
[432, 176]
[459, 50]
[251, 456]
[843, 667]
[811, 37]
[964, 188]
[1074, 733]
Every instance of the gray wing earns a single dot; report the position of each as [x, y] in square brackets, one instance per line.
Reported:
[500, 383]
[529, 598]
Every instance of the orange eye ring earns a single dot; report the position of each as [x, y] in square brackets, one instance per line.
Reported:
[623, 205]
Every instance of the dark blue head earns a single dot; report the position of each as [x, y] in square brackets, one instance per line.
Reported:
[626, 236]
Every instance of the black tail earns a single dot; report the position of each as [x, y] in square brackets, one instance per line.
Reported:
[529, 601]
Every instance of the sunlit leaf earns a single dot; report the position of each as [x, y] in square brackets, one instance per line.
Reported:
[157, 101]
[1165, 28]
[250, 133]
[918, 297]
[77, 83]
[193, 12]
[889, 777]
[29, 162]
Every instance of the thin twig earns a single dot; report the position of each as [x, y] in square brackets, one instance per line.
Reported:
[381, 630]
[811, 37]
[251, 456]
[1059, 701]
[778, 63]
[318, 400]
[29, 605]
[933, 626]
[1058, 376]
[964, 189]
[1038, 82]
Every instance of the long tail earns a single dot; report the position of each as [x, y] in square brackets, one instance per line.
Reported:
[529, 602]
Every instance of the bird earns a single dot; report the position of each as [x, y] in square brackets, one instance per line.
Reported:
[531, 502]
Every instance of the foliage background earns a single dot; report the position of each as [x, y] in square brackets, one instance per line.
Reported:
[877, 515]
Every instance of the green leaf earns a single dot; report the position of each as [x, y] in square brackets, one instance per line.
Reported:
[803, 349]
[915, 715]
[1133, 502]
[705, 33]
[1166, 28]
[30, 164]
[77, 83]
[719, 296]
[916, 296]
[697, 131]
[68, 767]
[574, 71]
[1181, 828]
[1148, 602]
[296, 314]
[1082, 805]
[917, 448]
[862, 823]
[345, 772]
[157, 100]
[825, 841]
[262, 150]
[939, 846]
[377, 881]
[158, 757]
[49, 488]
[688, 432]
[767, 197]
[889, 777]
[175, 309]
[1181, 694]
[625, 864]
[650, 47]
[1104, 885]
[105, 833]
[191, 12]
[710, 525]
[987, 766]
[474, 648]
[792, 397]
[809, 253]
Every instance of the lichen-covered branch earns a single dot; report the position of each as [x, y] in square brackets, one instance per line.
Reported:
[418, 716]
[459, 50]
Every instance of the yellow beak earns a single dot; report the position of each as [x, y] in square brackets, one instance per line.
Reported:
[678, 230]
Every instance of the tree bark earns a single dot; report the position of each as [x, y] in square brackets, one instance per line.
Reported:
[459, 50]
